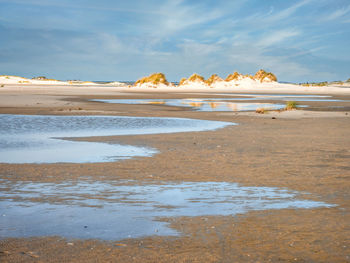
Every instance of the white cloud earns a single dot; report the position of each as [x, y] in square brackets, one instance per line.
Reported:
[176, 36]
[179, 16]
[337, 14]
[277, 36]
[70, 5]
[272, 18]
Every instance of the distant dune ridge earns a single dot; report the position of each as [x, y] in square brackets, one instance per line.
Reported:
[6, 79]
[261, 79]
[196, 80]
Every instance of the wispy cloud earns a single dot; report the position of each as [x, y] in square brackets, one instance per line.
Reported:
[274, 17]
[337, 14]
[180, 16]
[277, 37]
[126, 39]
[97, 7]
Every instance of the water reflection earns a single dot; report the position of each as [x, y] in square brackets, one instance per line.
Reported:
[228, 104]
[221, 104]
[36, 139]
[121, 209]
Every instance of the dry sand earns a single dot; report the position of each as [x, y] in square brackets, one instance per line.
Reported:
[305, 150]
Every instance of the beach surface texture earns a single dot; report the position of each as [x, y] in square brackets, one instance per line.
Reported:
[305, 150]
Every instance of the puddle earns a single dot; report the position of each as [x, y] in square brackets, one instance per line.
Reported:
[282, 97]
[127, 209]
[228, 104]
[219, 104]
[36, 139]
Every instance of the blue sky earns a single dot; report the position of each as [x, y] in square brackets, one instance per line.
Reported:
[304, 40]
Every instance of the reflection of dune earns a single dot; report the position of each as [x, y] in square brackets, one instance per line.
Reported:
[232, 106]
[156, 102]
[194, 100]
[213, 105]
[196, 104]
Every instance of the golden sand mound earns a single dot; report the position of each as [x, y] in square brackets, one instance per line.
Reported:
[264, 76]
[196, 78]
[234, 76]
[213, 78]
[155, 78]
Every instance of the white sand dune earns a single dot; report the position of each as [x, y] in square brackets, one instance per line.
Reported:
[242, 85]
[20, 80]
[245, 85]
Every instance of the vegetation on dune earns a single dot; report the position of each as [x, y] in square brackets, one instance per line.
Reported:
[315, 84]
[264, 76]
[182, 81]
[196, 78]
[193, 78]
[339, 82]
[11, 76]
[324, 83]
[44, 78]
[249, 76]
[291, 105]
[155, 78]
[40, 78]
[234, 76]
[213, 78]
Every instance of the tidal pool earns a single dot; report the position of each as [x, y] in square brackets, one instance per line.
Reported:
[40, 139]
[219, 104]
[282, 97]
[115, 210]
[227, 104]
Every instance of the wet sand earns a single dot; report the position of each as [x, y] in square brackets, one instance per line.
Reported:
[306, 151]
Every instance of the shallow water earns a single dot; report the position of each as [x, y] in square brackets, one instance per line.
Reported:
[127, 209]
[282, 97]
[219, 104]
[228, 104]
[38, 139]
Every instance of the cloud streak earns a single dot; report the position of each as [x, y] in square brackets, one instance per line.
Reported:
[125, 40]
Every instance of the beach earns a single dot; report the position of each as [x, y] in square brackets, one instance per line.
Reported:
[304, 150]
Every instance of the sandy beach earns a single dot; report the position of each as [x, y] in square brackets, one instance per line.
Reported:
[304, 150]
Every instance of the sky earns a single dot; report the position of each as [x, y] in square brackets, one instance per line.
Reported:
[298, 40]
